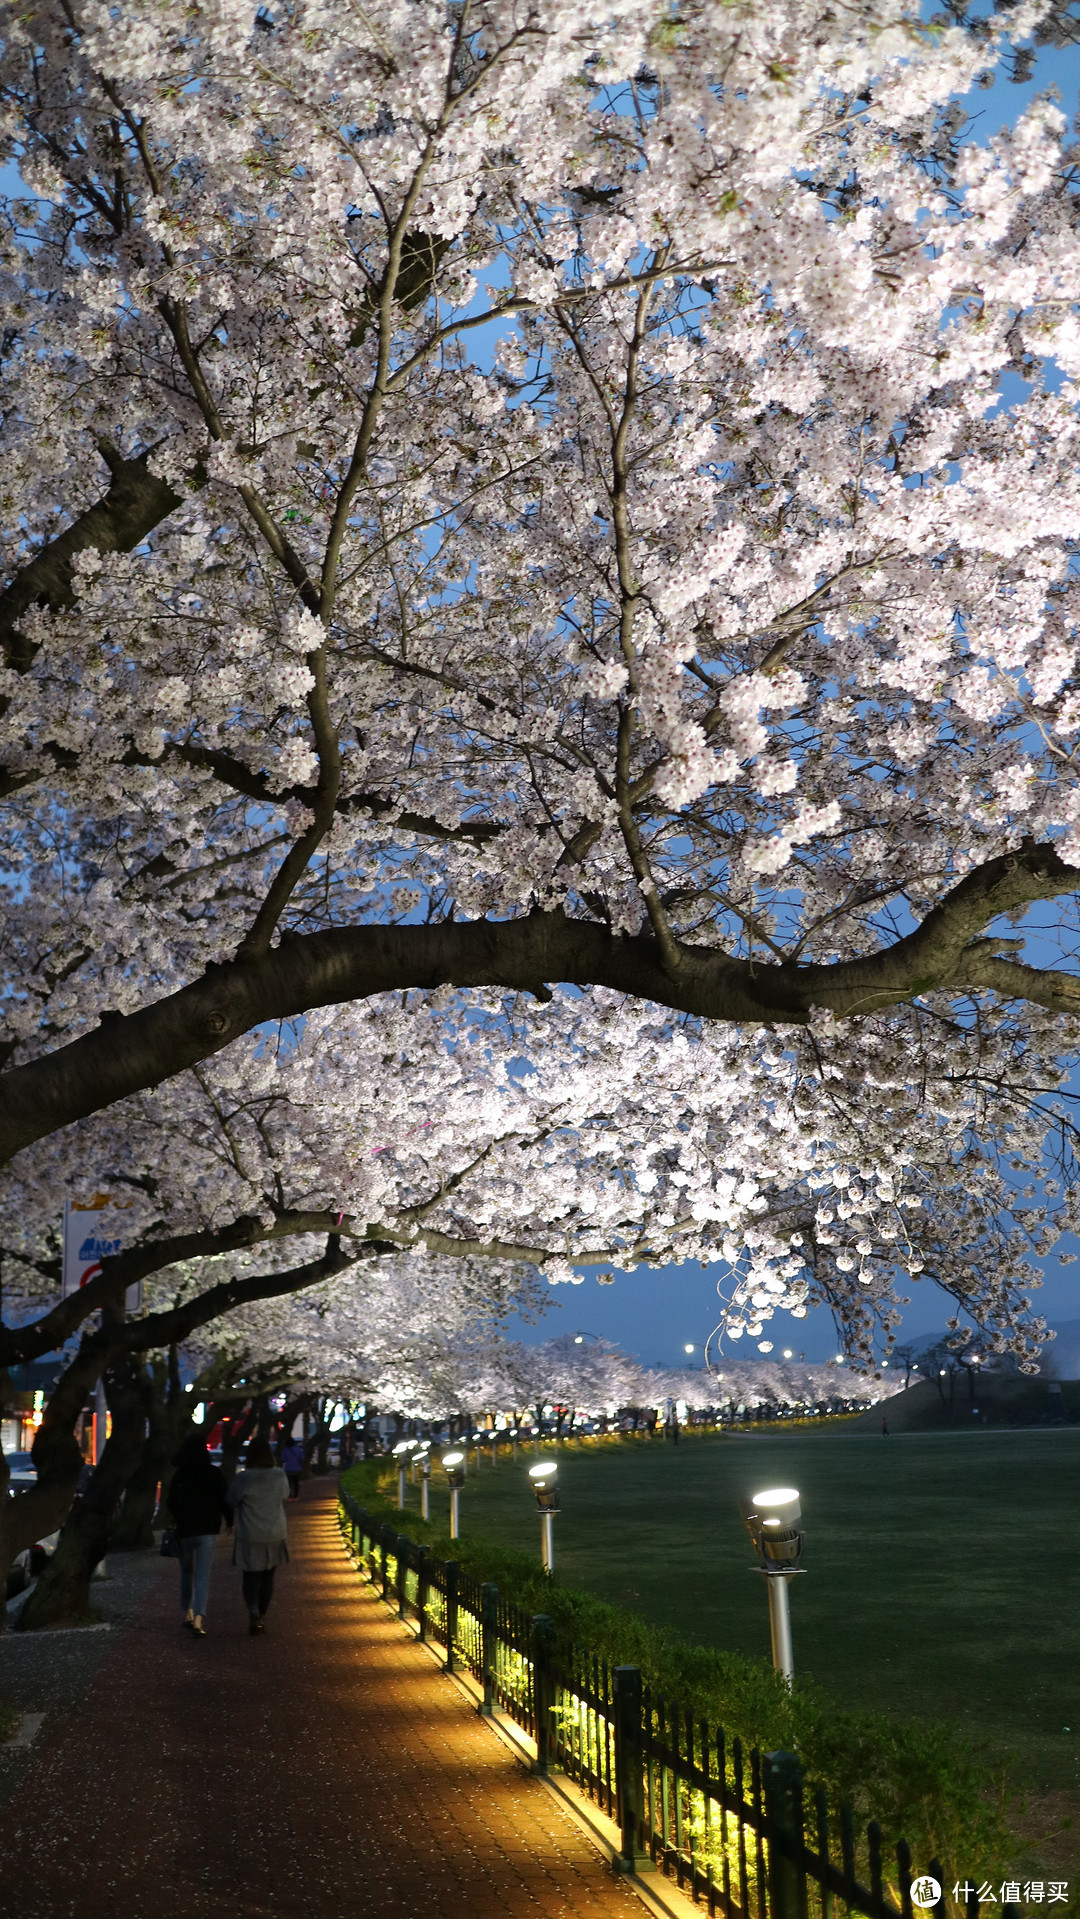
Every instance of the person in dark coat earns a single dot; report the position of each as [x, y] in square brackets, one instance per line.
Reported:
[293, 1462]
[198, 1505]
[257, 1497]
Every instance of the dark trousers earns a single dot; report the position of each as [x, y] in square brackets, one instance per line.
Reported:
[294, 1485]
[259, 1590]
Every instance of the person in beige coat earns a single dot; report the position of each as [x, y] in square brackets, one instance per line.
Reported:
[257, 1497]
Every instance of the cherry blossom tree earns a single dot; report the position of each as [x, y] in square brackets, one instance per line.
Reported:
[703, 645]
[627, 1139]
[413, 1334]
[765, 1381]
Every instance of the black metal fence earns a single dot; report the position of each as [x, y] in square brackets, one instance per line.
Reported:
[736, 1830]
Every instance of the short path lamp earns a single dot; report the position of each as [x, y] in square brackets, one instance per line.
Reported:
[545, 1485]
[403, 1446]
[772, 1520]
[422, 1459]
[454, 1468]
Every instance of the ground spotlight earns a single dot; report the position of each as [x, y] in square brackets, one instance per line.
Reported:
[454, 1468]
[422, 1458]
[403, 1446]
[772, 1518]
[544, 1481]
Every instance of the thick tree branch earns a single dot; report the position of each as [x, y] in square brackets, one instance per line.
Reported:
[944, 954]
[45, 1335]
[179, 1322]
[135, 503]
[18, 1344]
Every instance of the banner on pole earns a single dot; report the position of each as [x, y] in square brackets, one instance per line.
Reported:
[94, 1230]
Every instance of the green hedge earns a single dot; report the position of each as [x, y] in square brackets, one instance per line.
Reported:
[920, 1779]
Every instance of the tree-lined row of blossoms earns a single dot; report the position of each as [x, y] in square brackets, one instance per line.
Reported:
[540, 683]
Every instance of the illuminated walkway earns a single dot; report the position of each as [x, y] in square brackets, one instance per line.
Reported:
[324, 1771]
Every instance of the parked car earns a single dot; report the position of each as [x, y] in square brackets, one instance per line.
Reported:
[22, 1470]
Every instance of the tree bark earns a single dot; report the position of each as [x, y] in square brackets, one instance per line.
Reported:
[134, 504]
[37, 1512]
[62, 1594]
[133, 1526]
[240, 1431]
[168, 1414]
[319, 1440]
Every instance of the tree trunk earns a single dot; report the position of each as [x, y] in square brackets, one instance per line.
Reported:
[62, 1594]
[319, 1440]
[133, 1530]
[168, 1413]
[234, 1441]
[37, 1512]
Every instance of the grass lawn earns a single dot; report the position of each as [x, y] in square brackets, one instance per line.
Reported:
[942, 1569]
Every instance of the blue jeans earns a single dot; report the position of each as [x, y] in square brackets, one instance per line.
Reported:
[196, 1559]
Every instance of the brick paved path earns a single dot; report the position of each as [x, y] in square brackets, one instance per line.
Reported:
[324, 1771]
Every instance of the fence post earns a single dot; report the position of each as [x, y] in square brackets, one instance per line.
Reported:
[404, 1548]
[362, 1528]
[423, 1554]
[386, 1534]
[628, 1782]
[450, 1570]
[489, 1625]
[543, 1687]
[782, 1774]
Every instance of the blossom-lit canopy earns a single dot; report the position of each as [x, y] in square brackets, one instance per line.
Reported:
[499, 496]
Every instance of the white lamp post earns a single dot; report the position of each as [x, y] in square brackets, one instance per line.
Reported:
[400, 1450]
[422, 1458]
[454, 1468]
[545, 1485]
[772, 1520]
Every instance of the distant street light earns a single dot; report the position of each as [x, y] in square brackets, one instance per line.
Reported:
[545, 1486]
[688, 1349]
[454, 1468]
[772, 1520]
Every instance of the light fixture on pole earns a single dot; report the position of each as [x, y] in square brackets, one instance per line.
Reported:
[772, 1520]
[545, 1485]
[454, 1468]
[400, 1451]
[422, 1459]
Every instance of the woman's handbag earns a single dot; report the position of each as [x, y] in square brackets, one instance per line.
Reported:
[170, 1544]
